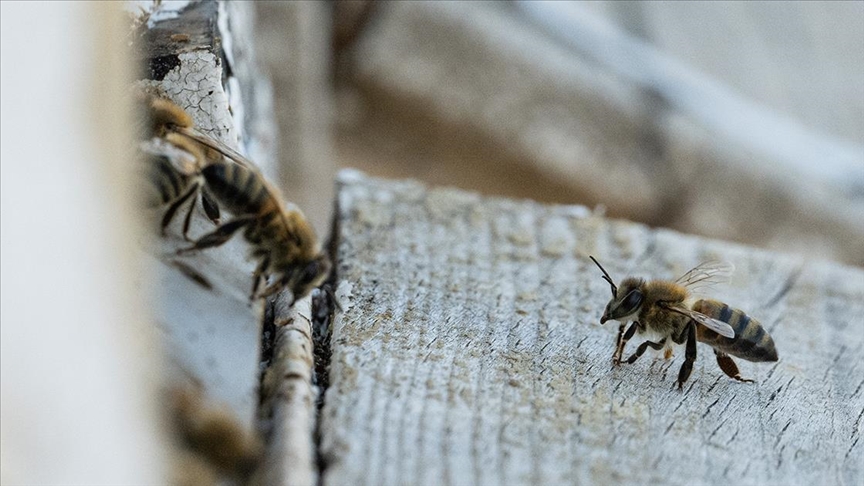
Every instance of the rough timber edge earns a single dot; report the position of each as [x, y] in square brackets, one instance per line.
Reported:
[441, 196]
[288, 398]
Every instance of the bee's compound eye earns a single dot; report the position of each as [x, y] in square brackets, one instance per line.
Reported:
[632, 301]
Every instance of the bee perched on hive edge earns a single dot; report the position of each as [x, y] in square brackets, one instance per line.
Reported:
[667, 310]
[174, 155]
[282, 239]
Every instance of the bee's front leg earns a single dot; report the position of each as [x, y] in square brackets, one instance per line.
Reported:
[258, 275]
[172, 209]
[220, 235]
[644, 346]
[623, 337]
[616, 356]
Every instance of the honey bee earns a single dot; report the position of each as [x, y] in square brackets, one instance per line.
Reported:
[667, 310]
[174, 154]
[214, 443]
[173, 184]
[282, 240]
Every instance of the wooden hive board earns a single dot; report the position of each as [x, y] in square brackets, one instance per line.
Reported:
[470, 351]
[211, 335]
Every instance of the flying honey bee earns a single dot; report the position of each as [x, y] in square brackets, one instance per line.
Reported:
[667, 310]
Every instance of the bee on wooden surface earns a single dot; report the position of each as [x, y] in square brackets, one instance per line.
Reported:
[282, 240]
[667, 310]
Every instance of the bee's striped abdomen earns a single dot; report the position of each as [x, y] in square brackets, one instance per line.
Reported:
[236, 187]
[751, 342]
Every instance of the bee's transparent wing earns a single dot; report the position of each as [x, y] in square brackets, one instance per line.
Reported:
[216, 145]
[229, 154]
[706, 274]
[719, 327]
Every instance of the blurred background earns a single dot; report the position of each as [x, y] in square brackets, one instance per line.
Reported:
[733, 120]
[742, 121]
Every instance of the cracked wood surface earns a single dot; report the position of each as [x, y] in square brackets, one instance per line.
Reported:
[470, 352]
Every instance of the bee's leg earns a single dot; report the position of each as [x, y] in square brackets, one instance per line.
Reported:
[220, 235]
[272, 289]
[616, 356]
[729, 367]
[196, 187]
[278, 285]
[623, 337]
[642, 347]
[331, 294]
[211, 208]
[258, 275]
[677, 339]
[689, 355]
[169, 213]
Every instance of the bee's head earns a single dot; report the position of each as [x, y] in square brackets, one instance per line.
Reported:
[626, 301]
[309, 276]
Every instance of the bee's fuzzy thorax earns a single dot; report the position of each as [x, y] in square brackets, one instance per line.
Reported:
[665, 291]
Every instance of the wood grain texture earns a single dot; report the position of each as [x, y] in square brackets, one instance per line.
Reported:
[470, 352]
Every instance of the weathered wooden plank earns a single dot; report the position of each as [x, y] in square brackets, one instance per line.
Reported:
[469, 352]
[289, 398]
[211, 331]
[763, 54]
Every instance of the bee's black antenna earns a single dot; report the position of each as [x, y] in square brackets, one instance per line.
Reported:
[328, 289]
[606, 276]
